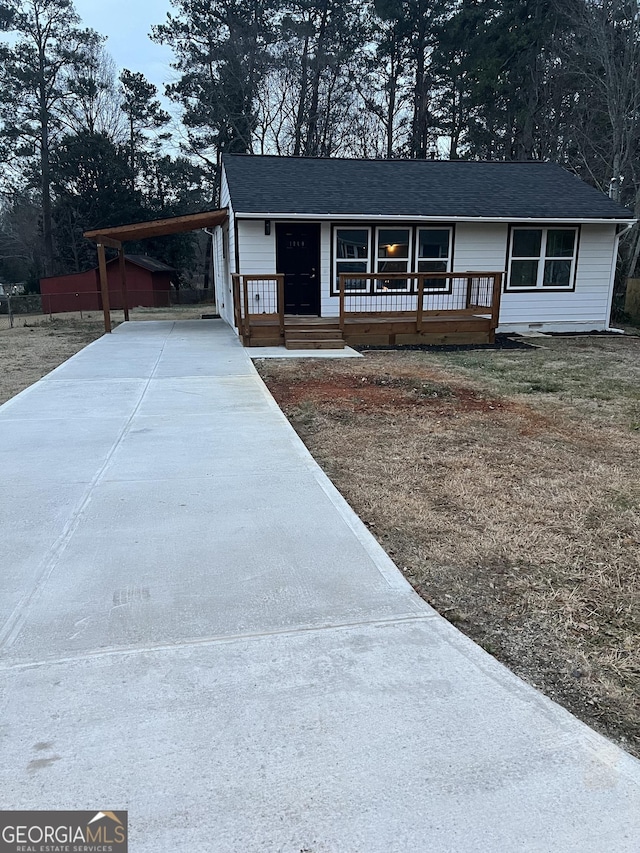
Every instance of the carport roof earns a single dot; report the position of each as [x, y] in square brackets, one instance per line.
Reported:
[116, 235]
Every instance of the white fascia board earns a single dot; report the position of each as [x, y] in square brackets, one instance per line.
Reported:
[357, 217]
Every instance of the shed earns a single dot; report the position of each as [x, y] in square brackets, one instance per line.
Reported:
[149, 286]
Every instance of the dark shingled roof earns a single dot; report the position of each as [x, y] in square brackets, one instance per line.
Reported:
[148, 263]
[433, 188]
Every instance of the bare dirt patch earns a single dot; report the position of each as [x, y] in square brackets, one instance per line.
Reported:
[514, 511]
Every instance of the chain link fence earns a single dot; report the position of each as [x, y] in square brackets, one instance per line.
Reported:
[28, 309]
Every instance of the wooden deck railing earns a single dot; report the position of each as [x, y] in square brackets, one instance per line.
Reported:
[416, 296]
[412, 300]
[258, 298]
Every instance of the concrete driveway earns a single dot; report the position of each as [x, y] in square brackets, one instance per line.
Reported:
[196, 627]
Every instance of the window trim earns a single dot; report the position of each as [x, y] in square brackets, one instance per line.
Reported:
[539, 286]
[335, 260]
[448, 290]
[334, 290]
[378, 260]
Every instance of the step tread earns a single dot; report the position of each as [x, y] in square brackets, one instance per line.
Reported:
[312, 334]
[306, 343]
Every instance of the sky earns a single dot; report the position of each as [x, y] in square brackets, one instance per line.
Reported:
[127, 24]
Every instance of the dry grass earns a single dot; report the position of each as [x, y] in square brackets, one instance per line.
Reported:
[506, 486]
[37, 343]
[28, 352]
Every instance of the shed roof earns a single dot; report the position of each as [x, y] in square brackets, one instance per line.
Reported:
[147, 263]
[445, 189]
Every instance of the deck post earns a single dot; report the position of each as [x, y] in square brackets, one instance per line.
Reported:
[123, 284]
[104, 288]
[469, 289]
[420, 304]
[342, 312]
[237, 311]
[280, 284]
[247, 325]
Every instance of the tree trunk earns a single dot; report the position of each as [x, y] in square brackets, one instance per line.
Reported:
[132, 148]
[302, 102]
[311, 144]
[393, 94]
[420, 112]
[45, 169]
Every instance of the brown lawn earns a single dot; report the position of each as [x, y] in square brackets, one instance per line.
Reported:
[37, 343]
[506, 486]
[504, 483]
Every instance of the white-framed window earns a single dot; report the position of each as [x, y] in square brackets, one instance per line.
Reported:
[352, 254]
[393, 252]
[434, 254]
[542, 258]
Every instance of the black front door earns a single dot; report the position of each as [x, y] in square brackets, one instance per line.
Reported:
[298, 258]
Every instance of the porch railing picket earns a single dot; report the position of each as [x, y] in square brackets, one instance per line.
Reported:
[407, 302]
[411, 295]
[420, 304]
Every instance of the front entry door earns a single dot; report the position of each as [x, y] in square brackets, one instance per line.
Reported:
[298, 258]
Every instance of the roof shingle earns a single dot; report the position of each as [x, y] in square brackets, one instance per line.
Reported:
[431, 188]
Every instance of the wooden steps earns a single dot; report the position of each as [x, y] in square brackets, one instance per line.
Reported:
[314, 335]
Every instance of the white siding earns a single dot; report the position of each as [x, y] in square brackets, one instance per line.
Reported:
[225, 266]
[257, 250]
[484, 247]
[225, 201]
[585, 309]
[480, 247]
[329, 305]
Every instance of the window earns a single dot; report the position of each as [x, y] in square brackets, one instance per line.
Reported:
[352, 255]
[542, 257]
[434, 254]
[392, 256]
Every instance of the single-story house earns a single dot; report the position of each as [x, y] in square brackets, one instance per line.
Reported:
[148, 285]
[316, 251]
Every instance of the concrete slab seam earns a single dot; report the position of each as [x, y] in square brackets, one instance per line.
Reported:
[221, 639]
[385, 565]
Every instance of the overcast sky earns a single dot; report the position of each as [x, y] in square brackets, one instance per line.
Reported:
[127, 23]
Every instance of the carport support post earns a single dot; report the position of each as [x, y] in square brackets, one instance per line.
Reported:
[104, 287]
[123, 282]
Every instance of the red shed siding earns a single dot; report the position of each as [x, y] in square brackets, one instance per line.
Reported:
[81, 291]
[77, 292]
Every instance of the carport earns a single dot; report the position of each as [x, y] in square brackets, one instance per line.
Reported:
[115, 237]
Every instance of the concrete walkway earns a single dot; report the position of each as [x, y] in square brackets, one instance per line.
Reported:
[195, 627]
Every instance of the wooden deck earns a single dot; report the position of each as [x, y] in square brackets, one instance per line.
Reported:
[466, 313]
